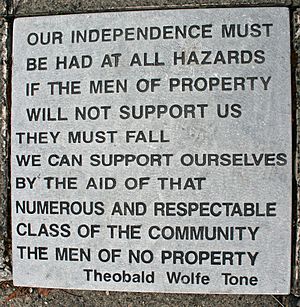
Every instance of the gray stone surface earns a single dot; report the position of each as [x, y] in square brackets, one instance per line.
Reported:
[4, 117]
[42, 7]
[264, 116]
[27, 297]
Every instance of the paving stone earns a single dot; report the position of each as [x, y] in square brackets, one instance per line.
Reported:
[88, 298]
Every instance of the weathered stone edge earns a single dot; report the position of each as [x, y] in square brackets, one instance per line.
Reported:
[5, 272]
[296, 65]
[21, 8]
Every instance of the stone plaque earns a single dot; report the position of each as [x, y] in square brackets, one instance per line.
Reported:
[151, 151]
